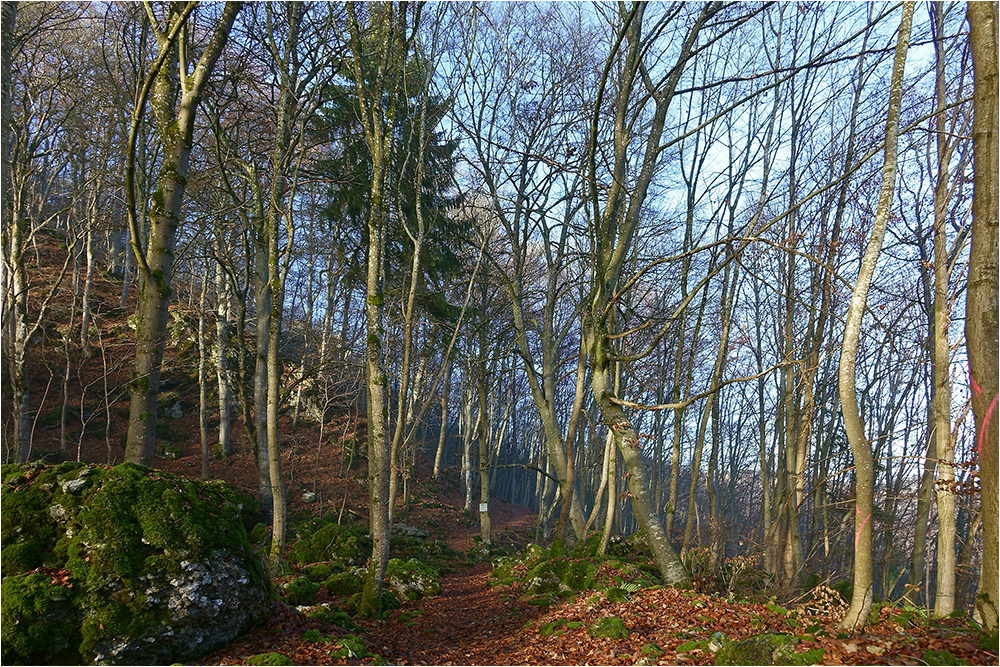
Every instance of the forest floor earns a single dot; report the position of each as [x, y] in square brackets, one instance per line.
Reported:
[475, 623]
[470, 622]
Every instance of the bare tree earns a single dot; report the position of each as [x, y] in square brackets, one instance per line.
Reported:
[861, 600]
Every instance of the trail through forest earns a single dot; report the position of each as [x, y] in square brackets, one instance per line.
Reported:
[474, 622]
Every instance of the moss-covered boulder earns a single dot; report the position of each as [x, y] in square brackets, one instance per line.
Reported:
[325, 612]
[318, 572]
[503, 570]
[767, 649]
[323, 541]
[345, 583]
[299, 591]
[559, 575]
[411, 579]
[123, 565]
[610, 627]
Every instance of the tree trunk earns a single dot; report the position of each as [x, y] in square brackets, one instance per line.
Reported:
[439, 455]
[981, 323]
[203, 378]
[175, 127]
[88, 281]
[222, 357]
[940, 407]
[857, 615]
[627, 442]
[374, 88]
[484, 449]
[263, 299]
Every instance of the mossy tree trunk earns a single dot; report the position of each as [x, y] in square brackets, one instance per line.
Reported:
[981, 323]
[379, 53]
[861, 600]
[175, 98]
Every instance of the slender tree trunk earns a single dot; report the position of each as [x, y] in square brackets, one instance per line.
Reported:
[88, 281]
[445, 390]
[263, 299]
[467, 436]
[981, 321]
[857, 615]
[203, 378]
[609, 518]
[222, 327]
[484, 449]
[377, 121]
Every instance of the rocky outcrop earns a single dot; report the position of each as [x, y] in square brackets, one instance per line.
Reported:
[123, 565]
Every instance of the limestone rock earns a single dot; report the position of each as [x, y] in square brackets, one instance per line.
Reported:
[409, 531]
[141, 567]
[412, 580]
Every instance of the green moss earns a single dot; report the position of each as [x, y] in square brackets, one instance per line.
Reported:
[39, 622]
[388, 603]
[412, 579]
[653, 650]
[314, 637]
[931, 657]
[318, 572]
[766, 649]
[345, 583]
[29, 531]
[333, 617]
[319, 541]
[553, 576]
[351, 646]
[270, 659]
[503, 571]
[751, 651]
[687, 647]
[610, 627]
[299, 591]
[547, 629]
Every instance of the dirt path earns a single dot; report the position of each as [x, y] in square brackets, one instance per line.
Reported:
[470, 623]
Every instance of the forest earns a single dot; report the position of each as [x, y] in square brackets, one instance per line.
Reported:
[723, 275]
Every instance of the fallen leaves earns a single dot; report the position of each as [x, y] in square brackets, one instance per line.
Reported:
[474, 623]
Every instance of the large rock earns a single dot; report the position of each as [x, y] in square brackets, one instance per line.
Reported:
[411, 579]
[766, 649]
[123, 565]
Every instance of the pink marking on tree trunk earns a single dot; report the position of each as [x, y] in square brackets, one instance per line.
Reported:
[986, 422]
[857, 534]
